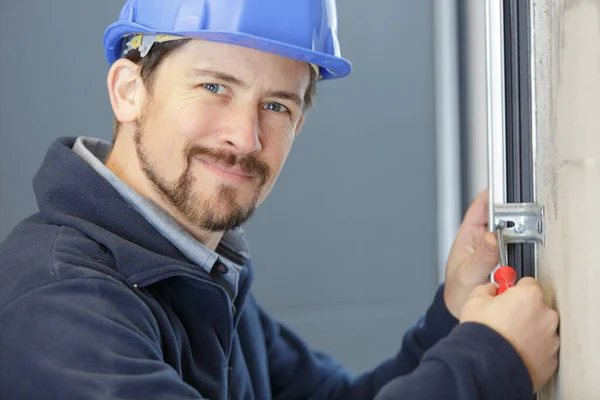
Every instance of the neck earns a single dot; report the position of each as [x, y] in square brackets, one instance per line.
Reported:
[125, 166]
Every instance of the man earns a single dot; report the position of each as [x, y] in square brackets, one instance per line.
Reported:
[133, 279]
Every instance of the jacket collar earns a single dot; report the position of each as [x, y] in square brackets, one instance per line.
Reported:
[70, 192]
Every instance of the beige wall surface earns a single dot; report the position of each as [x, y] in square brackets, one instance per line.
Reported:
[566, 57]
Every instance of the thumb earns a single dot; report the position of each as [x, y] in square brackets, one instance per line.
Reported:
[528, 281]
[486, 290]
[485, 258]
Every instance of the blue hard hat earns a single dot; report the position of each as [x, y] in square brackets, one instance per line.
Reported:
[304, 30]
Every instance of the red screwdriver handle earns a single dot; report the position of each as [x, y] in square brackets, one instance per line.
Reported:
[505, 277]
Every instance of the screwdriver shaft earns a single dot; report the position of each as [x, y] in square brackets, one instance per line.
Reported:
[501, 246]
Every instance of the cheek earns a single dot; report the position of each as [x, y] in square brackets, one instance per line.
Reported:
[164, 142]
[172, 128]
[194, 125]
[276, 148]
[160, 153]
[194, 119]
[276, 144]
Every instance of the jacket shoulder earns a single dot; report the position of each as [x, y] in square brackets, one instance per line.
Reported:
[36, 254]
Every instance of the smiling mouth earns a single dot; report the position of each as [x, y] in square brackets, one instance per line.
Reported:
[233, 173]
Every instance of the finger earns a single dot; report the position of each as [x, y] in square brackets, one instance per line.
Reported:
[555, 321]
[485, 257]
[528, 281]
[485, 290]
[477, 214]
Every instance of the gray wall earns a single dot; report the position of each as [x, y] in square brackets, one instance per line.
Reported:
[357, 193]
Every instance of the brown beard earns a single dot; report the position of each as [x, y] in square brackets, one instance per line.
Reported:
[181, 196]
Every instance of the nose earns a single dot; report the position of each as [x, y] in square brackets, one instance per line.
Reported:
[242, 133]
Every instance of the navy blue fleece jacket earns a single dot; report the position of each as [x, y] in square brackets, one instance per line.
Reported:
[95, 304]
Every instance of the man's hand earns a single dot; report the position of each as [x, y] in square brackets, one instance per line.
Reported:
[522, 317]
[472, 258]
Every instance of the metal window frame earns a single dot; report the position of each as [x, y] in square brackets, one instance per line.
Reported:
[510, 105]
[495, 104]
[519, 144]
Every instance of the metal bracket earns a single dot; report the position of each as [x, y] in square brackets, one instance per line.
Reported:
[520, 222]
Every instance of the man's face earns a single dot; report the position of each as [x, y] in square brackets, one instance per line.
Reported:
[217, 126]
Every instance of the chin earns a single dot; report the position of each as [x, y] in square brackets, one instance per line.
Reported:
[224, 208]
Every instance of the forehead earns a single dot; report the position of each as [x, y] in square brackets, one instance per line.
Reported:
[250, 65]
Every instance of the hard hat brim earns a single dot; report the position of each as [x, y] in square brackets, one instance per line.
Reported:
[331, 67]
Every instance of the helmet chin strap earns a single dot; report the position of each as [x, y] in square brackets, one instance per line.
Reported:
[144, 42]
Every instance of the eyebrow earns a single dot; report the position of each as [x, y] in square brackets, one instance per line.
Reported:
[284, 95]
[222, 76]
[231, 79]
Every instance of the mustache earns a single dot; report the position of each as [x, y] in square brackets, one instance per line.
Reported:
[248, 164]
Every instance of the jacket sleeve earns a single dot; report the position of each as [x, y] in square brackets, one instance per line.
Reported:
[474, 362]
[437, 360]
[84, 339]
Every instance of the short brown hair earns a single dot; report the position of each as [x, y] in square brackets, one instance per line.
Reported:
[159, 51]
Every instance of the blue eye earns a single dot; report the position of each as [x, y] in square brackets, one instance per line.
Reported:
[214, 88]
[276, 107]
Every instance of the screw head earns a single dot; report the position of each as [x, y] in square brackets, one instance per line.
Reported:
[519, 228]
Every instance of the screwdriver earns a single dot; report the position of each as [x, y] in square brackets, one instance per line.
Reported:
[505, 276]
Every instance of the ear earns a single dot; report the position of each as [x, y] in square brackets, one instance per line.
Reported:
[126, 91]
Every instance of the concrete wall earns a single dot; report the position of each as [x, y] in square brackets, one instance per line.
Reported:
[567, 100]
